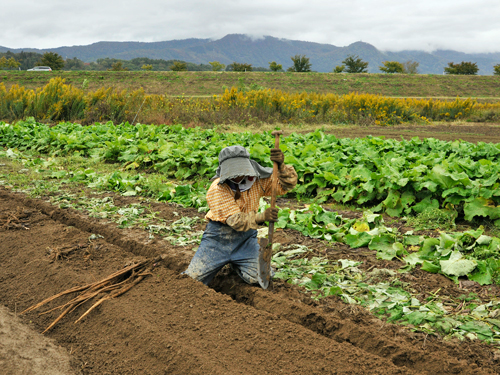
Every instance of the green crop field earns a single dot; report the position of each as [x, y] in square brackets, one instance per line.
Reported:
[355, 192]
[397, 209]
[485, 88]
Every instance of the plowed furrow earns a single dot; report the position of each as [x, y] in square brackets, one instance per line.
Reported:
[181, 326]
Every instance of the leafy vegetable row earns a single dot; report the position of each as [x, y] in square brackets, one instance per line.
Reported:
[397, 177]
[380, 292]
[471, 253]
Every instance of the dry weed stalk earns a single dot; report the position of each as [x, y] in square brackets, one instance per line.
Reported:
[112, 286]
[61, 253]
[15, 220]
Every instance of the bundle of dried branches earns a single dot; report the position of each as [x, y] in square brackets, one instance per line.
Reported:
[15, 220]
[59, 253]
[112, 286]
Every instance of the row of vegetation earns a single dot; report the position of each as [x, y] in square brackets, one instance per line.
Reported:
[470, 254]
[428, 178]
[300, 64]
[27, 60]
[354, 64]
[396, 177]
[58, 101]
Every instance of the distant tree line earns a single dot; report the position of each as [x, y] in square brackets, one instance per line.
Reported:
[28, 60]
[300, 64]
[463, 68]
[354, 64]
[10, 63]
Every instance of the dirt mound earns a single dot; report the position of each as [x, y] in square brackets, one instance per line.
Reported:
[25, 351]
[171, 324]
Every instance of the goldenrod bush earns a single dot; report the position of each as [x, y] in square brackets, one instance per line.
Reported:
[107, 104]
[14, 103]
[58, 101]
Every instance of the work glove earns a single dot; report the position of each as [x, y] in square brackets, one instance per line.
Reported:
[277, 156]
[271, 215]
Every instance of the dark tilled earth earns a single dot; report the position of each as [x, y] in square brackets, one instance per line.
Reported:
[170, 324]
[470, 132]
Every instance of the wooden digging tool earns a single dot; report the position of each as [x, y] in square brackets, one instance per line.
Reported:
[266, 244]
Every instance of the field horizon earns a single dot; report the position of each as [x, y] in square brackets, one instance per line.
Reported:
[443, 87]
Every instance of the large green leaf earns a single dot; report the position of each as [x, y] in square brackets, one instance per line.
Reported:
[393, 204]
[430, 267]
[477, 327]
[425, 204]
[429, 245]
[483, 274]
[386, 246]
[413, 259]
[481, 207]
[446, 179]
[457, 265]
[358, 240]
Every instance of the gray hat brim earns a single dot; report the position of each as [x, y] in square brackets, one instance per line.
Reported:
[235, 167]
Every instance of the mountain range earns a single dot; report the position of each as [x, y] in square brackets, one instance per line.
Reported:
[260, 51]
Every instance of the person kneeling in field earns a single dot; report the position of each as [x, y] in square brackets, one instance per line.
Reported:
[233, 199]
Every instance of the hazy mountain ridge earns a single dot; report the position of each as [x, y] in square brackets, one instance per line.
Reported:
[261, 51]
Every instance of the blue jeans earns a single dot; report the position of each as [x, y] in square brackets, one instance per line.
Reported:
[221, 245]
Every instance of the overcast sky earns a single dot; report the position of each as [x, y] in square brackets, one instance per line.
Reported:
[392, 25]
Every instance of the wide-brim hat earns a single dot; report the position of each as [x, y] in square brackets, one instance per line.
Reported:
[234, 161]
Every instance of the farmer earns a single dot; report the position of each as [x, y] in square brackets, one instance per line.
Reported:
[233, 199]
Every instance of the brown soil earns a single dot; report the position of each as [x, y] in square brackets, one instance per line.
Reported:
[170, 324]
[474, 132]
[25, 351]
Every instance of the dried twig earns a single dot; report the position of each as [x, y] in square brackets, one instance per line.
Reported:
[113, 286]
[425, 340]
[14, 220]
[60, 253]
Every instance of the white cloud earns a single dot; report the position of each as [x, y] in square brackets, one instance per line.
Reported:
[463, 25]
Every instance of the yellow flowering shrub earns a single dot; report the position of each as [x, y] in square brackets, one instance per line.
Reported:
[58, 101]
